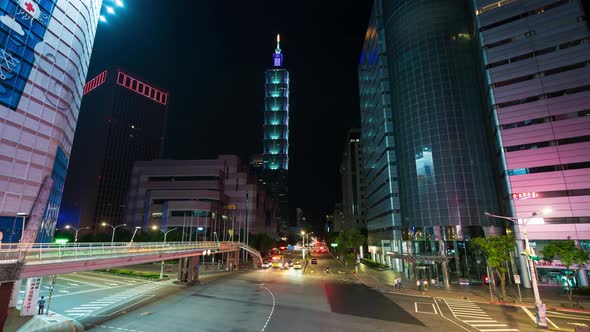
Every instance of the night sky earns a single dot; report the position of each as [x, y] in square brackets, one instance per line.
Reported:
[211, 56]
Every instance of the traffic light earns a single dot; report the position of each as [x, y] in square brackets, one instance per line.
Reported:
[486, 279]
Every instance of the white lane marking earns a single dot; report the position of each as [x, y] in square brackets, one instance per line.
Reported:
[443, 316]
[499, 330]
[119, 310]
[73, 284]
[79, 310]
[271, 310]
[468, 312]
[113, 328]
[425, 312]
[82, 282]
[534, 319]
[103, 276]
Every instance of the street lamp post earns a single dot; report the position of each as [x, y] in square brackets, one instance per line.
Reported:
[134, 232]
[76, 230]
[24, 215]
[539, 306]
[165, 234]
[114, 229]
[303, 235]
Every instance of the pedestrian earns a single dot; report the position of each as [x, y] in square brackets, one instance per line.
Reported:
[41, 304]
[433, 282]
[399, 282]
[425, 284]
[418, 285]
[396, 282]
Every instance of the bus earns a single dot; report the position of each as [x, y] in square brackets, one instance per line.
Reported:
[277, 261]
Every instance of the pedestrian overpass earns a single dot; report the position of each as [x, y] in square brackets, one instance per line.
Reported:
[18, 261]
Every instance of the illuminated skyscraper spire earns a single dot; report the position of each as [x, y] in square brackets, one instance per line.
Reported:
[278, 56]
[278, 49]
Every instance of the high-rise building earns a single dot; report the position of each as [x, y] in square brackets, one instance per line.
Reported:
[351, 173]
[276, 133]
[122, 120]
[536, 59]
[46, 48]
[444, 166]
[215, 194]
[381, 183]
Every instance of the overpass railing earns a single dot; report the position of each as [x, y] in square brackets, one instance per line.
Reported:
[32, 253]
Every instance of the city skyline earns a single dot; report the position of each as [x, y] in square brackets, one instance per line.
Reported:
[217, 104]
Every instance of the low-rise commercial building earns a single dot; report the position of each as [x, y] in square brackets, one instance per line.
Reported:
[218, 195]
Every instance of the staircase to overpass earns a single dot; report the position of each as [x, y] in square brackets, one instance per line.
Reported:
[27, 260]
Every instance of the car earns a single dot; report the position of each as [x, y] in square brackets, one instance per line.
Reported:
[314, 261]
[290, 263]
[297, 265]
[266, 265]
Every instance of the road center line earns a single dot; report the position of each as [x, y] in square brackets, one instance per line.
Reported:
[271, 310]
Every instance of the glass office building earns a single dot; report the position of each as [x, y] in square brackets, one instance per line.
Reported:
[46, 48]
[380, 188]
[123, 119]
[438, 134]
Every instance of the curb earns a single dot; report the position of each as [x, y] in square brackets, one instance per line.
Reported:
[498, 303]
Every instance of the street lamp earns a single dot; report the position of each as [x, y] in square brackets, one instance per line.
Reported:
[539, 306]
[303, 235]
[134, 232]
[24, 215]
[114, 229]
[110, 8]
[76, 230]
[165, 234]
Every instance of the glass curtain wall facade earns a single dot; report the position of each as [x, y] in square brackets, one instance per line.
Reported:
[536, 60]
[381, 186]
[351, 173]
[46, 48]
[445, 175]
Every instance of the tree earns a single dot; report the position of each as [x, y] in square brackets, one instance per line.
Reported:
[261, 241]
[349, 239]
[567, 252]
[497, 250]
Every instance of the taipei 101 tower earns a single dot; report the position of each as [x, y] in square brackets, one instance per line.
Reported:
[276, 134]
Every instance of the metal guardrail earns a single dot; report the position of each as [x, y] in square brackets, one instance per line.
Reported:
[35, 253]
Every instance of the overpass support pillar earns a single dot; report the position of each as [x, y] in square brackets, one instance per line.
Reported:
[5, 294]
[188, 269]
[233, 260]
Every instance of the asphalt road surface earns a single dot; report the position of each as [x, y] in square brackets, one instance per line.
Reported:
[279, 300]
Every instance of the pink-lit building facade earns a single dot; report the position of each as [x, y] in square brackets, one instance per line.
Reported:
[536, 55]
[216, 194]
[44, 55]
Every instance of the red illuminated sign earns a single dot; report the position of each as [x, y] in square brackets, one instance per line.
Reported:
[141, 88]
[95, 82]
[528, 195]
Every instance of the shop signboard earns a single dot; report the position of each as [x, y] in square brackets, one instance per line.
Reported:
[29, 306]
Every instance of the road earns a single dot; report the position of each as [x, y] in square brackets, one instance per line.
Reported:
[280, 300]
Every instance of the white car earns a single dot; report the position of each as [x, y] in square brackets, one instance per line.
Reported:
[266, 265]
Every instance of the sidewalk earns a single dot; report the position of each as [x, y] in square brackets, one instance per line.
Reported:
[553, 297]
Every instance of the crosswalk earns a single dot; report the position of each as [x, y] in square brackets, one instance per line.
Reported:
[471, 314]
[95, 307]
